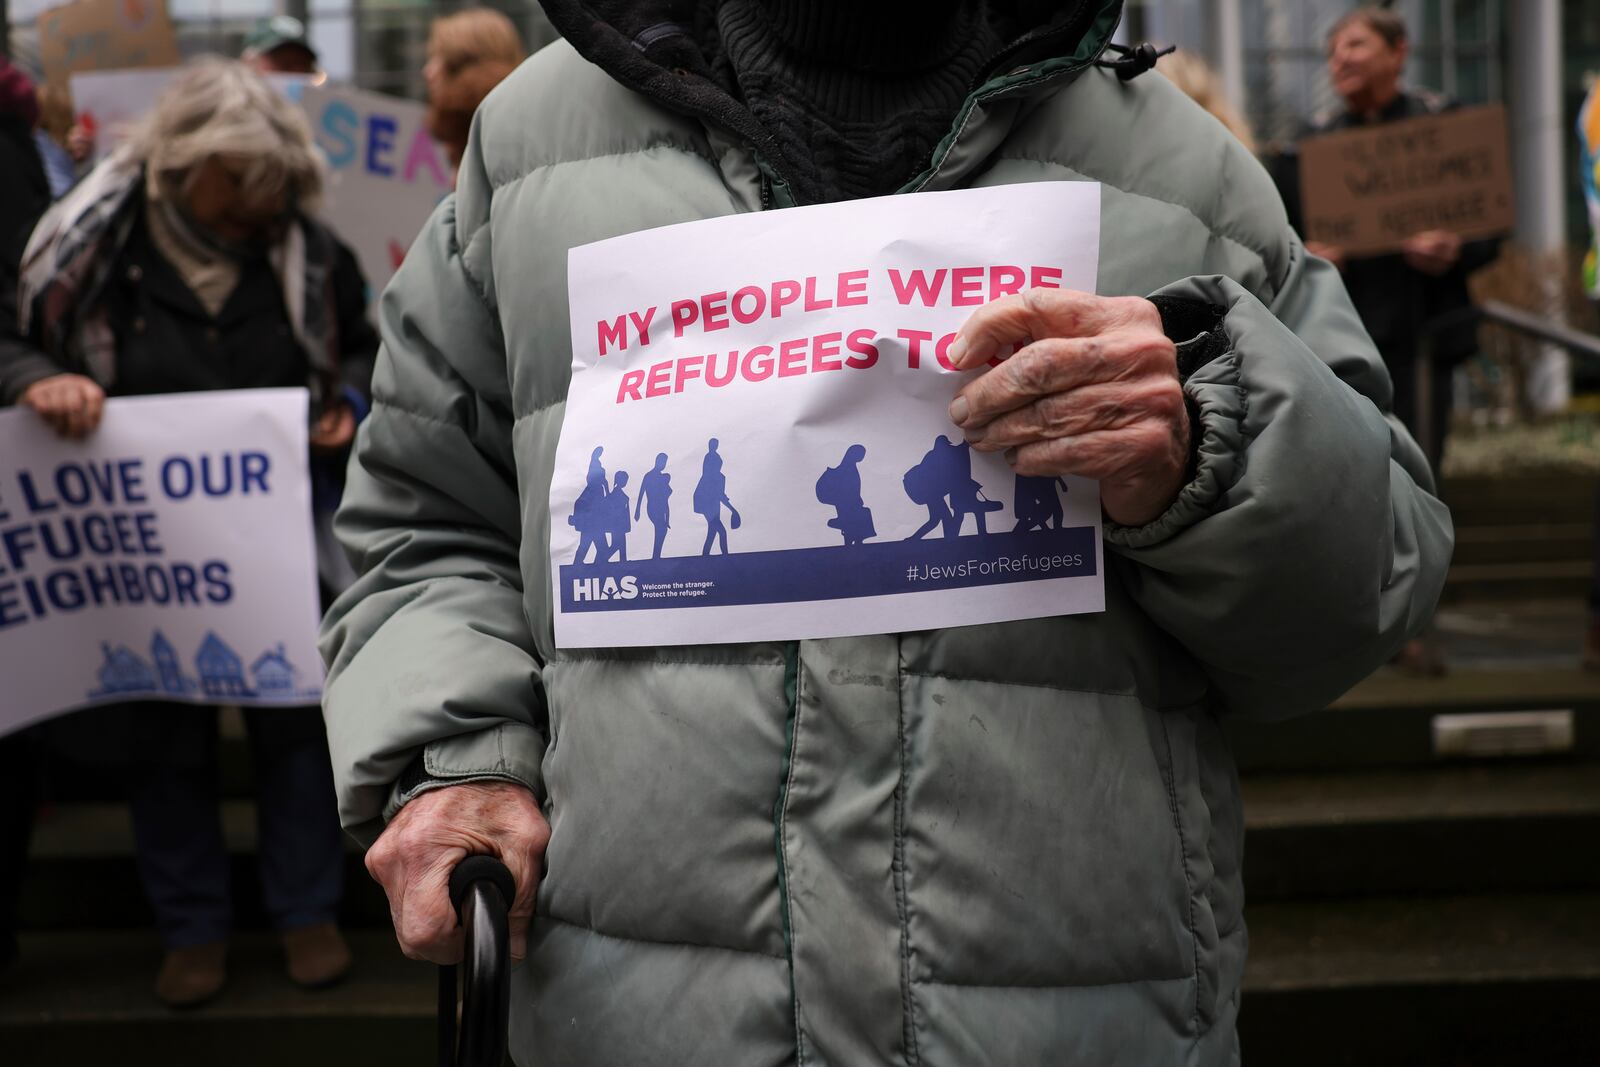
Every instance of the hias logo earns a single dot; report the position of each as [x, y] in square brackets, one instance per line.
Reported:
[624, 588]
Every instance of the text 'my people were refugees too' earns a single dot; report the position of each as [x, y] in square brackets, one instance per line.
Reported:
[700, 317]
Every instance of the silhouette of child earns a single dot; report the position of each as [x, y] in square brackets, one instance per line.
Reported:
[617, 523]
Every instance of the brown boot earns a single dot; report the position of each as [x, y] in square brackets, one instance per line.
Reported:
[191, 976]
[1420, 658]
[1591, 647]
[316, 955]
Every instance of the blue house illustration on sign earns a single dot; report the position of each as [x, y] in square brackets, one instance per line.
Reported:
[220, 668]
[123, 671]
[274, 674]
[168, 670]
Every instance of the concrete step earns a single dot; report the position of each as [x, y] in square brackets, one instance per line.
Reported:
[1506, 501]
[81, 872]
[1457, 981]
[1388, 719]
[1471, 582]
[84, 998]
[1501, 827]
[1532, 542]
[1447, 981]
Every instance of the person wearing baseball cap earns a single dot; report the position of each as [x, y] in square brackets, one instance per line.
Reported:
[278, 45]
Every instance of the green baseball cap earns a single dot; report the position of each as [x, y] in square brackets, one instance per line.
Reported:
[275, 32]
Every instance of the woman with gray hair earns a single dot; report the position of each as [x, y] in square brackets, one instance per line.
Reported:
[188, 261]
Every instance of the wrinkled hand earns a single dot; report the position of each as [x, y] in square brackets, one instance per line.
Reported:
[70, 403]
[1092, 390]
[1332, 253]
[414, 856]
[1433, 252]
[334, 429]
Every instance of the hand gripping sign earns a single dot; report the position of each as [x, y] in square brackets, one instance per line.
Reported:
[757, 445]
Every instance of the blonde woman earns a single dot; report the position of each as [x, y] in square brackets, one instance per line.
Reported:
[469, 53]
[1202, 85]
[172, 268]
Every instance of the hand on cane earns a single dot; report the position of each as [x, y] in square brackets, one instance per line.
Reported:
[414, 856]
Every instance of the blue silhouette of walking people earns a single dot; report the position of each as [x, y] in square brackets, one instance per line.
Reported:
[710, 495]
[925, 484]
[840, 488]
[1038, 506]
[942, 482]
[966, 493]
[654, 490]
[589, 513]
[617, 523]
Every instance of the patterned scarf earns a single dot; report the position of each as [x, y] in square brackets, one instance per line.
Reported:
[76, 245]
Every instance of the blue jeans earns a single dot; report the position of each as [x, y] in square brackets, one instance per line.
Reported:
[183, 861]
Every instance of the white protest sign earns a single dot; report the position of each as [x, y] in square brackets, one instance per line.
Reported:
[756, 443]
[387, 175]
[110, 103]
[167, 557]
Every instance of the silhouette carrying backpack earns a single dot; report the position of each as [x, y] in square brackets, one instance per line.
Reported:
[921, 483]
[830, 489]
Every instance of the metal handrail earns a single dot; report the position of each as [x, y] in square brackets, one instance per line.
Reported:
[1499, 314]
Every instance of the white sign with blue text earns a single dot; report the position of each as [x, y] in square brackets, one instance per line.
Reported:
[386, 173]
[166, 557]
[756, 443]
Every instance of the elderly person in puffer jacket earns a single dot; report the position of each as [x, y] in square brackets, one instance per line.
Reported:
[1001, 844]
[186, 262]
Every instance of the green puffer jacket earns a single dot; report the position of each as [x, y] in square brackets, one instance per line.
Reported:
[1005, 844]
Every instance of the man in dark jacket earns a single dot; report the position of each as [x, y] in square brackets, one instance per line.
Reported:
[1400, 293]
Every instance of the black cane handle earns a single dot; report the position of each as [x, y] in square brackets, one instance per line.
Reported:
[481, 891]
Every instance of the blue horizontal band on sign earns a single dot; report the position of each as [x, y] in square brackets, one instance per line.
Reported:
[837, 572]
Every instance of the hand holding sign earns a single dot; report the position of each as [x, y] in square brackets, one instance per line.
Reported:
[1093, 392]
[334, 429]
[70, 403]
[1433, 252]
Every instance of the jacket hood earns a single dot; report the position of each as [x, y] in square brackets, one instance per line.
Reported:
[652, 47]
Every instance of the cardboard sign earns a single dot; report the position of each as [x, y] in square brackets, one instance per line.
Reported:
[387, 176]
[105, 35]
[1367, 190]
[757, 444]
[166, 557]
